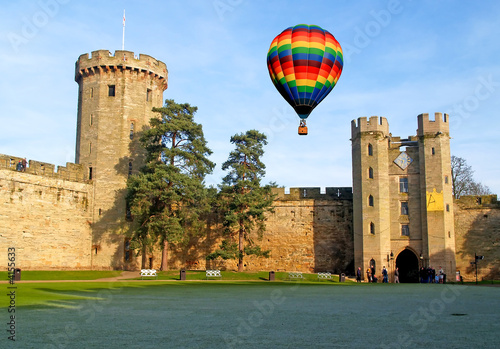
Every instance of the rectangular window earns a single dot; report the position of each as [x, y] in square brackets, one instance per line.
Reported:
[433, 151]
[404, 208]
[403, 184]
[91, 92]
[446, 179]
[111, 90]
[90, 172]
[148, 94]
[405, 230]
[91, 121]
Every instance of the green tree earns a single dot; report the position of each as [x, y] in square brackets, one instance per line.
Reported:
[243, 201]
[167, 197]
[462, 179]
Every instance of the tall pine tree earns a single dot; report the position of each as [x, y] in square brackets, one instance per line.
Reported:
[243, 200]
[168, 195]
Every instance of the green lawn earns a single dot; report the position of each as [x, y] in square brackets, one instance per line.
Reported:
[64, 294]
[61, 294]
[32, 275]
[252, 314]
[36, 275]
[244, 276]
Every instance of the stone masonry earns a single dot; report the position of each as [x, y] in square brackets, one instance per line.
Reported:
[402, 194]
[45, 215]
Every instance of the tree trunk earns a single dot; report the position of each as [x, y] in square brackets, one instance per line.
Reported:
[144, 257]
[240, 248]
[164, 256]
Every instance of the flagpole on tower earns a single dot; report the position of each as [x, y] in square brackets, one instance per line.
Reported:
[123, 37]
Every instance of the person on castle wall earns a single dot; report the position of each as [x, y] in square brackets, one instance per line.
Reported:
[358, 274]
[385, 278]
[368, 275]
[19, 166]
[396, 276]
[24, 162]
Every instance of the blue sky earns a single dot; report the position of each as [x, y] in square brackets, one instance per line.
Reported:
[402, 58]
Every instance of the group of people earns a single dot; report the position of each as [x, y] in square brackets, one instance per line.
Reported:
[428, 275]
[370, 275]
[21, 165]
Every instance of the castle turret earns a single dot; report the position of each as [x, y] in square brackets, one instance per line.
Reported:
[436, 188]
[116, 96]
[371, 215]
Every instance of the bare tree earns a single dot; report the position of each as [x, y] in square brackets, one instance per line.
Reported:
[462, 179]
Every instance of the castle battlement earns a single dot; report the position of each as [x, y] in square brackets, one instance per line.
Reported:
[374, 124]
[439, 124]
[71, 172]
[103, 60]
[314, 193]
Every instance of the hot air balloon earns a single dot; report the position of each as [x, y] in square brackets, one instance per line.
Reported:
[305, 63]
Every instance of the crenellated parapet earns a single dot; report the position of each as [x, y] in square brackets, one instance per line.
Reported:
[71, 172]
[102, 61]
[440, 124]
[373, 124]
[331, 193]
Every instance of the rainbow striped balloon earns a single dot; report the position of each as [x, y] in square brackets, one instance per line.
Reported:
[305, 63]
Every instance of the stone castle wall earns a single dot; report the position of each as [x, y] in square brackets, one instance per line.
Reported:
[45, 215]
[70, 172]
[477, 231]
[307, 232]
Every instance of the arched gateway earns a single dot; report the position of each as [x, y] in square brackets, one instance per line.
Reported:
[407, 262]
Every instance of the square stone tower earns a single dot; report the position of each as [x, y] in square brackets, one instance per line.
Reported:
[115, 100]
[402, 197]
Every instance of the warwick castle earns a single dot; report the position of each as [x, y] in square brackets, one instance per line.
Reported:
[399, 213]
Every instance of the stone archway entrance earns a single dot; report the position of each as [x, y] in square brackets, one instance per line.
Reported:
[407, 262]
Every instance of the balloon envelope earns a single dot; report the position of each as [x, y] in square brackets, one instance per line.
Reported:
[305, 63]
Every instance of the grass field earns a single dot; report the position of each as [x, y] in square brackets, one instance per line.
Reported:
[162, 275]
[62, 294]
[253, 314]
[33, 275]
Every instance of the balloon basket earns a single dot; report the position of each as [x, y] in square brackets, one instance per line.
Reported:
[303, 130]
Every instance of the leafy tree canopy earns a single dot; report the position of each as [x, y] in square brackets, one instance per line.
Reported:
[168, 195]
[243, 200]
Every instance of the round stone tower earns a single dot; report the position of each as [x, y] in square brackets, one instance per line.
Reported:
[115, 100]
